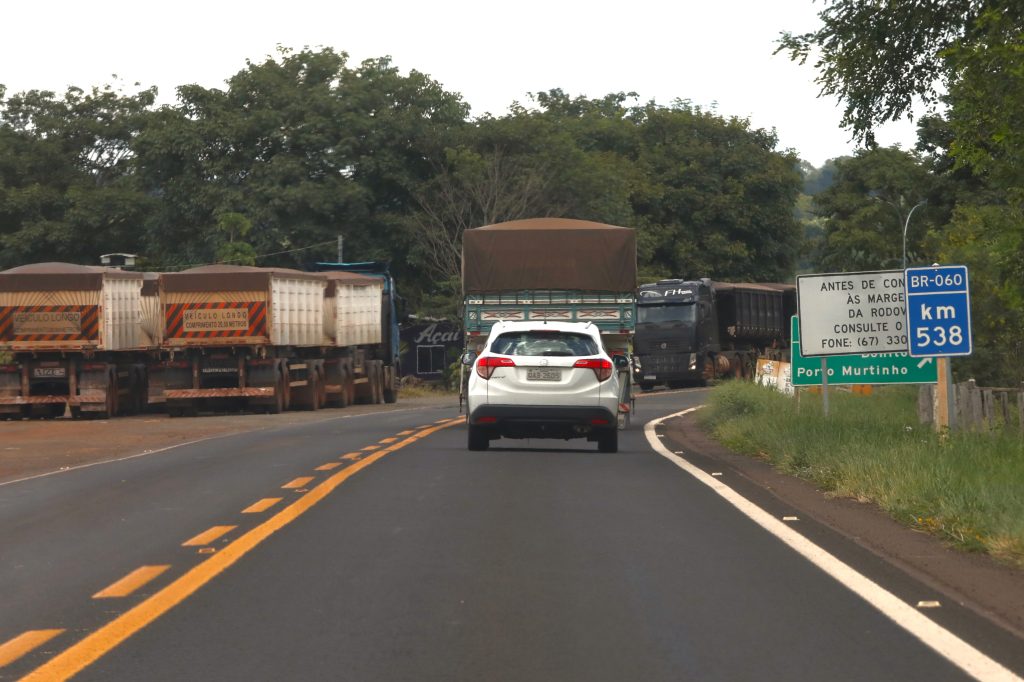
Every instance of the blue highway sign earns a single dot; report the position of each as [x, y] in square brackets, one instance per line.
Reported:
[938, 311]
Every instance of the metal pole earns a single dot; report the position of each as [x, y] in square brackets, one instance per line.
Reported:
[906, 224]
[824, 385]
[341, 240]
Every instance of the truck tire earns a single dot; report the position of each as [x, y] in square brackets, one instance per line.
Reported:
[608, 441]
[476, 438]
[309, 397]
[110, 409]
[345, 396]
[280, 400]
[378, 382]
[390, 385]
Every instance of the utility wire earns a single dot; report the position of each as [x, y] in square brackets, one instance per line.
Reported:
[234, 260]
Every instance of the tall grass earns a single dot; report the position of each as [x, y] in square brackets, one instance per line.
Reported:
[967, 488]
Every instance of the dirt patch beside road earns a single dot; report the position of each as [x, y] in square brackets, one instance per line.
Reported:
[34, 447]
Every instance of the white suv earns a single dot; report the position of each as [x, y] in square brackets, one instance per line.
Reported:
[543, 380]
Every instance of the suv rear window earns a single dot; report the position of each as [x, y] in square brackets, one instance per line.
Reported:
[544, 343]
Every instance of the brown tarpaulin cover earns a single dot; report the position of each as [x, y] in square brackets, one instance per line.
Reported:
[228, 278]
[549, 253]
[351, 278]
[60, 277]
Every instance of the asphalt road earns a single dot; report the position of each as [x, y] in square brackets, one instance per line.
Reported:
[396, 554]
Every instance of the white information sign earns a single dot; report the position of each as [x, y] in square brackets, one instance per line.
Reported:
[852, 313]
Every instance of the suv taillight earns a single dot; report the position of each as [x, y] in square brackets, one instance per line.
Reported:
[485, 366]
[602, 368]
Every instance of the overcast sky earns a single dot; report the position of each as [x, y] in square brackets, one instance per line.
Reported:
[717, 55]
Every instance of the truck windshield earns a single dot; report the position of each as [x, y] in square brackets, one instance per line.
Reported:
[685, 313]
[544, 343]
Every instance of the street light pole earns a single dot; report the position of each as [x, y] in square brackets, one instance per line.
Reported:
[906, 224]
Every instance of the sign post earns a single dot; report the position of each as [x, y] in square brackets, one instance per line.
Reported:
[939, 325]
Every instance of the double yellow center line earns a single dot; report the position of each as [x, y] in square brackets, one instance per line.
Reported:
[96, 644]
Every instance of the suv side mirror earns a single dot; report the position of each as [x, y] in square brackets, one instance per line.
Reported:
[468, 358]
[620, 361]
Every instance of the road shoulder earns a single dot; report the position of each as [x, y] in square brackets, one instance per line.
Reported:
[992, 590]
[38, 447]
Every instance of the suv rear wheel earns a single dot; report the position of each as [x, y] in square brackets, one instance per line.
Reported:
[477, 438]
[608, 441]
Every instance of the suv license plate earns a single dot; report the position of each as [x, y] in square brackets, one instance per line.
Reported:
[544, 374]
[49, 372]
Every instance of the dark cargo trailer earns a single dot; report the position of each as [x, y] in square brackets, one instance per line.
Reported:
[689, 332]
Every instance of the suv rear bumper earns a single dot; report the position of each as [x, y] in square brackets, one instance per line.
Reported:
[543, 421]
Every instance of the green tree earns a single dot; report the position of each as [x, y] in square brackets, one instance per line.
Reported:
[307, 148]
[866, 209]
[717, 198]
[67, 190]
[877, 58]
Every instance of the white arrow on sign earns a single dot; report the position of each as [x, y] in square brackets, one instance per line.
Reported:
[924, 362]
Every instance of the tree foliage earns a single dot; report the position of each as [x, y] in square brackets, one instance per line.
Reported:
[967, 55]
[867, 208]
[66, 186]
[303, 146]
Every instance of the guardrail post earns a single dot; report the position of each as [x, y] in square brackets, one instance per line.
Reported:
[925, 403]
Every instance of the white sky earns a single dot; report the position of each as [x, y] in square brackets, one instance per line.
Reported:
[714, 54]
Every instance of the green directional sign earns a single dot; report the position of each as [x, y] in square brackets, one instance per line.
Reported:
[873, 368]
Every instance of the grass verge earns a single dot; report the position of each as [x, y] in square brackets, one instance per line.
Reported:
[426, 391]
[967, 488]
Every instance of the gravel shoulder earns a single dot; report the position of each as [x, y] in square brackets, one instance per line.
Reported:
[35, 447]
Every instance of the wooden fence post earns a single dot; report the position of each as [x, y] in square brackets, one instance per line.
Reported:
[977, 409]
[925, 403]
[963, 405]
[1020, 409]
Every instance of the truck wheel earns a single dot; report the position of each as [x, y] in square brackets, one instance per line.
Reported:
[378, 382]
[350, 387]
[308, 397]
[279, 404]
[342, 399]
[476, 438]
[178, 408]
[321, 390]
[390, 385]
[646, 386]
[110, 409]
[608, 441]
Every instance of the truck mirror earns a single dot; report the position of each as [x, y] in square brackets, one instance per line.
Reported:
[468, 358]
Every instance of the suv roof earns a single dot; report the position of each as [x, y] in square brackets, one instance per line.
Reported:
[503, 326]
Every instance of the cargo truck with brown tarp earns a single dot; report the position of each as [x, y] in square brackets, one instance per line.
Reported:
[542, 269]
[73, 338]
[550, 269]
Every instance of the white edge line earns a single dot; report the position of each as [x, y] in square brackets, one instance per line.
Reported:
[203, 440]
[942, 641]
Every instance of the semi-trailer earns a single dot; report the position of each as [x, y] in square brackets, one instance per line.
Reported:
[272, 338]
[74, 339]
[691, 332]
[382, 325]
[102, 341]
